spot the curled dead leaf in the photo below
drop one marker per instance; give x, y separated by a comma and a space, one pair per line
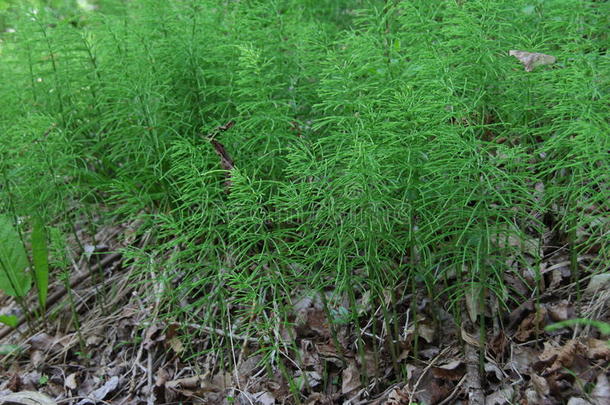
470, 338
453, 370
531, 60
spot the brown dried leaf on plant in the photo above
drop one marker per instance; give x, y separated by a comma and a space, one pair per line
531, 60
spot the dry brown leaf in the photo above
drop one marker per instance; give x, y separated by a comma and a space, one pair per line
263, 398
426, 331
469, 338
492, 368
317, 322
432, 391
503, 396
70, 382
27, 398
597, 349
498, 345
540, 385
30, 381
454, 371
190, 385
601, 393
102, 392
531, 60
522, 359
317, 398
15, 383
153, 335
371, 363
176, 344
561, 357
309, 379
397, 397
532, 325
560, 311
350, 378
45, 342
598, 282
161, 377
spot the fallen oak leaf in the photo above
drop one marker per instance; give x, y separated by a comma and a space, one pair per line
531, 60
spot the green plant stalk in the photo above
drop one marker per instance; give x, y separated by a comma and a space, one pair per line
58, 88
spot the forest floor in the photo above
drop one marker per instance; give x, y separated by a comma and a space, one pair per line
124, 353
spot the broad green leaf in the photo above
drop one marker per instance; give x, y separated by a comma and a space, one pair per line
14, 279
41, 261
9, 320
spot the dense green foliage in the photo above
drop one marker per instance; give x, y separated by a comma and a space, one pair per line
389, 147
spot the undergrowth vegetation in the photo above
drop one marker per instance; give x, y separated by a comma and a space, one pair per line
373, 151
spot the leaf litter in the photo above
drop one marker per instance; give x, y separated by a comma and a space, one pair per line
125, 354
